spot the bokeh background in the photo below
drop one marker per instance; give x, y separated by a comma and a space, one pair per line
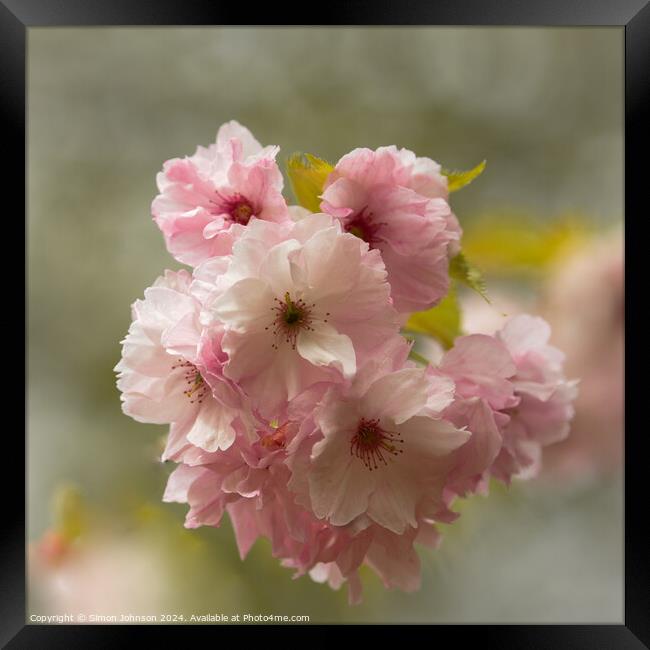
106, 107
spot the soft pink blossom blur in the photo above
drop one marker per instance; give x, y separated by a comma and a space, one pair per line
584, 302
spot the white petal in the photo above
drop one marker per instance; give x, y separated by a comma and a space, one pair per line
183, 337
234, 130
276, 268
310, 224
441, 393
523, 333
426, 436
325, 346
246, 306
212, 429
297, 212
163, 307
332, 262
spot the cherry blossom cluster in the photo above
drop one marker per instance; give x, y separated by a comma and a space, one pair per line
293, 402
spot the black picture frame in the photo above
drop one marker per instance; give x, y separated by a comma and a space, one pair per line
16, 16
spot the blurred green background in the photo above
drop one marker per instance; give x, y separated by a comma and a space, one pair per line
106, 107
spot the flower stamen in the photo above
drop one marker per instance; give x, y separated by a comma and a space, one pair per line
290, 318
373, 445
197, 388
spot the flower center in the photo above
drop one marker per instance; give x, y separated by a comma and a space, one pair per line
277, 439
373, 445
236, 206
196, 387
363, 226
242, 212
289, 318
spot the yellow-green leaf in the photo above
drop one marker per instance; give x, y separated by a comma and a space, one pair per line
456, 179
308, 174
463, 271
516, 243
442, 322
69, 512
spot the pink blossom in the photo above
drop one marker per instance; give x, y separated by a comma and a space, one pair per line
278, 363
397, 204
512, 395
249, 481
544, 413
169, 366
301, 308
263, 484
378, 456
393, 557
481, 367
206, 200
358, 473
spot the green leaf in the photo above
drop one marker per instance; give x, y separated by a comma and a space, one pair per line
442, 322
457, 180
464, 271
416, 356
308, 174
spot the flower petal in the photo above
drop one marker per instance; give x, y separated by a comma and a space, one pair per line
431, 437
339, 486
276, 268
246, 306
324, 346
212, 428
398, 395
392, 504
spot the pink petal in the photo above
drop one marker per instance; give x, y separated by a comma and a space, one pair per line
398, 395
